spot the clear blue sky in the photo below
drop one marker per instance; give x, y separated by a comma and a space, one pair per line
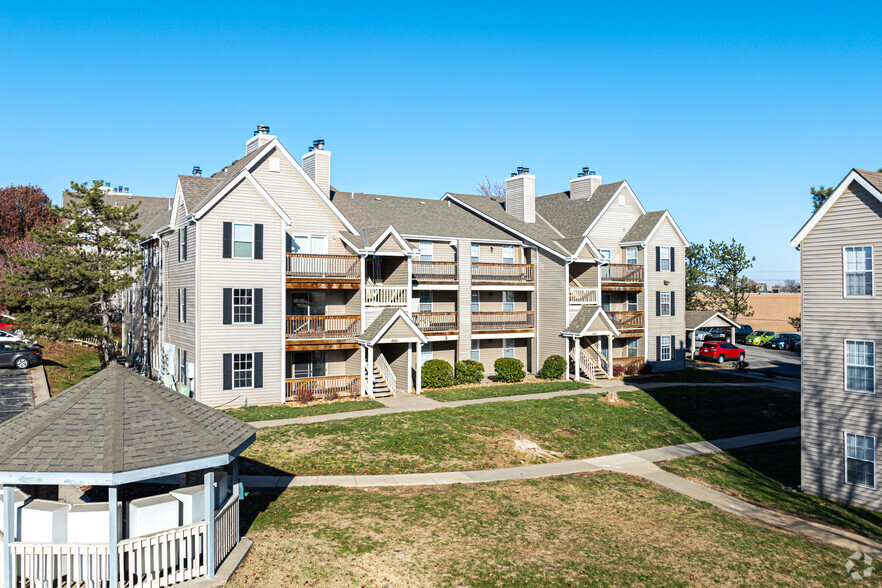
726, 116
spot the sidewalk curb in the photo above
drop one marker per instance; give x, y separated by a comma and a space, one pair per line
40, 384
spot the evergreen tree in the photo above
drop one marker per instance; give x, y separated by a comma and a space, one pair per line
715, 280
67, 291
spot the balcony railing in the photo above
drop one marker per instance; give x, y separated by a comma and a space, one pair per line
327, 387
626, 320
622, 272
627, 360
502, 273
306, 265
435, 322
503, 321
436, 272
584, 296
385, 295
322, 327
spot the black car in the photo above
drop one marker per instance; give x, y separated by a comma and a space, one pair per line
783, 341
20, 355
719, 334
742, 332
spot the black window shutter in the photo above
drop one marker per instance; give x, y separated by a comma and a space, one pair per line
658, 259
673, 348
658, 349
180, 242
258, 370
672, 259
228, 306
258, 241
186, 243
673, 311
657, 303
258, 306
289, 243
228, 371
228, 240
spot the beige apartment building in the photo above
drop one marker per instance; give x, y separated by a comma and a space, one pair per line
268, 283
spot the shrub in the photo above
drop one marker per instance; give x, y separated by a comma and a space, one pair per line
618, 370
553, 368
645, 369
303, 394
469, 371
437, 373
633, 368
509, 369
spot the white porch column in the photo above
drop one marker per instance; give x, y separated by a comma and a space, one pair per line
209, 516
577, 350
567, 357
732, 335
692, 346
113, 537
410, 368
8, 532
370, 371
419, 369
361, 378
609, 362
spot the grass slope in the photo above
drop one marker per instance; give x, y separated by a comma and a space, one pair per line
449, 394
692, 376
599, 529
283, 411
481, 436
759, 473
67, 364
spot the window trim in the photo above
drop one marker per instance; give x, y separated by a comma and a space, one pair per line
845, 435
661, 303
635, 343
872, 271
182, 305
505, 347
661, 347
182, 243
475, 258
628, 257
235, 387
233, 241
606, 254
506, 258
431, 303
662, 251
430, 249
511, 295
475, 354
426, 348
233, 309
846, 365
309, 237
476, 301
636, 307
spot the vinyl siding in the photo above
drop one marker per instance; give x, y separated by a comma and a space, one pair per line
828, 318
551, 308
666, 236
182, 274
464, 298
441, 250
491, 350
612, 226
398, 330
243, 204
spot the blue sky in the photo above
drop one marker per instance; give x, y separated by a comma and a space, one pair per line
724, 115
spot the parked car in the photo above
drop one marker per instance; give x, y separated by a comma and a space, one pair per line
782, 341
7, 323
759, 337
719, 334
797, 347
7, 337
701, 334
720, 351
20, 355
742, 332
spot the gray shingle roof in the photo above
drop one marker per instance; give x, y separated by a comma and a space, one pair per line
150, 208
874, 178
580, 321
225, 176
157, 223
195, 188
643, 226
117, 421
694, 318
573, 217
412, 216
384, 317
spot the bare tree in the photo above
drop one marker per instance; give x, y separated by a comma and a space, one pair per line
491, 188
790, 286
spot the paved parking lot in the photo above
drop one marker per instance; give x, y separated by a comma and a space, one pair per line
16, 392
785, 363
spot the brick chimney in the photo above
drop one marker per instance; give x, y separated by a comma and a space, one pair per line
520, 195
317, 165
261, 137
583, 186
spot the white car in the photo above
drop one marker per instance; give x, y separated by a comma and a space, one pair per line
7, 337
700, 334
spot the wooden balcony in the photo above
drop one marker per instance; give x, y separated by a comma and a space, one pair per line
385, 295
502, 273
304, 328
584, 295
491, 322
313, 271
627, 320
436, 322
623, 277
327, 387
435, 272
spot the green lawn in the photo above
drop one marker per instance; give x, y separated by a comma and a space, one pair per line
448, 394
482, 436
692, 376
599, 529
759, 473
67, 364
283, 411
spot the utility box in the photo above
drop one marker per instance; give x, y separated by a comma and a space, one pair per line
44, 521
192, 499
154, 514
90, 523
19, 498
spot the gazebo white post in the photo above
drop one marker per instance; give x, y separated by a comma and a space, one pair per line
577, 349
567, 357
370, 371
209, 516
8, 532
113, 538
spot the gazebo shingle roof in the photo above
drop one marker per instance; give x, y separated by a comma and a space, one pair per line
117, 421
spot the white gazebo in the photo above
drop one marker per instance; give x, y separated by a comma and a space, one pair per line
113, 429
705, 319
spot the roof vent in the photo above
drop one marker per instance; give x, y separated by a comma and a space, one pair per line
126, 189
261, 137
319, 144
520, 171
262, 130
197, 171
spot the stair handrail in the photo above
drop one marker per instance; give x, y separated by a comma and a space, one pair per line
386, 372
585, 362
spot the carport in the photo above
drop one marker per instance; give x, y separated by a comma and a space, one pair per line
705, 319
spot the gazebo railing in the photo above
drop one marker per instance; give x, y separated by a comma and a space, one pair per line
226, 529
66, 565
165, 558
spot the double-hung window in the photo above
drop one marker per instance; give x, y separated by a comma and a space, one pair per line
664, 259
243, 305
860, 460
426, 250
858, 262
476, 350
314, 244
243, 240
632, 301
243, 370
476, 253
507, 301
631, 255
632, 348
664, 350
425, 301
476, 302
664, 304
508, 254
425, 353
860, 366
182, 244
182, 305
182, 367
508, 348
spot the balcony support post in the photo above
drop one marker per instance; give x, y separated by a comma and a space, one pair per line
419, 369
609, 364
370, 371
567, 355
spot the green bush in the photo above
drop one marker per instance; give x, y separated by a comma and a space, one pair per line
469, 371
509, 369
437, 373
553, 368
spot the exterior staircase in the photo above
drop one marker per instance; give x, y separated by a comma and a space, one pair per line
588, 367
382, 374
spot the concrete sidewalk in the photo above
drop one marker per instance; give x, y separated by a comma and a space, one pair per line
414, 403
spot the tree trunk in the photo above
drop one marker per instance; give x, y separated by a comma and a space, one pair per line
105, 328
612, 396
